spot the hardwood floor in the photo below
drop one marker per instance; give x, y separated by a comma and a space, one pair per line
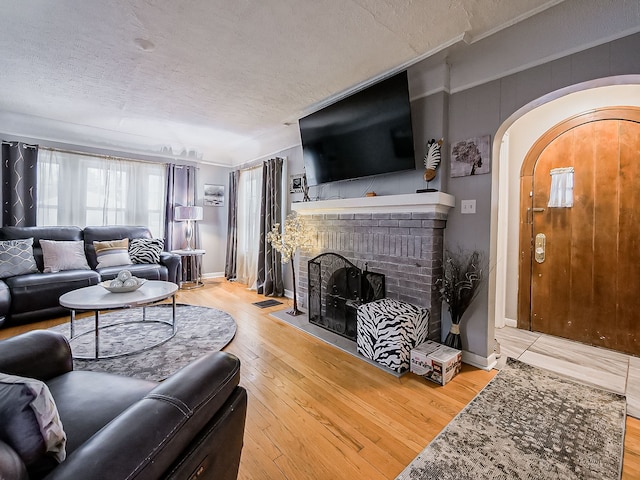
316, 412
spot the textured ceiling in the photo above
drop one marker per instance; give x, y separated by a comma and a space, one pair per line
210, 76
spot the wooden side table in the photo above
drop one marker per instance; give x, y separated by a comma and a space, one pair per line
191, 268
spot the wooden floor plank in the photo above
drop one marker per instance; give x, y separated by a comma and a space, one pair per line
316, 412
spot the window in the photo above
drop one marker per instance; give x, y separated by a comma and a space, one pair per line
561, 195
81, 190
248, 245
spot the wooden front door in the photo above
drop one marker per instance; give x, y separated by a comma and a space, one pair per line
585, 282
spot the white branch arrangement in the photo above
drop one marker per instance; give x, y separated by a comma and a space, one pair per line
295, 234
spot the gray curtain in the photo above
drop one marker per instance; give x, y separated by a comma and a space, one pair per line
232, 227
181, 191
19, 180
269, 265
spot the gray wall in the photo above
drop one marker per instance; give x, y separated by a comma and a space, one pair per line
468, 93
481, 110
476, 111
212, 230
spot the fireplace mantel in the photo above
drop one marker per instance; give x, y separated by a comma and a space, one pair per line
429, 202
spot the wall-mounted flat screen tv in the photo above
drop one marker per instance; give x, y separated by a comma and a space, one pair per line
367, 133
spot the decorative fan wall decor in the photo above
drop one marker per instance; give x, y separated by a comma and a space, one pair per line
432, 159
431, 162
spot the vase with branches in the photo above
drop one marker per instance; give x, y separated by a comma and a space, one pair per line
295, 234
459, 286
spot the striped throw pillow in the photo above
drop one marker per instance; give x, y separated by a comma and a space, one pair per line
146, 250
112, 253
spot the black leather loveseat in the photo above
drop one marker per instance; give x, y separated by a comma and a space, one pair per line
190, 426
34, 296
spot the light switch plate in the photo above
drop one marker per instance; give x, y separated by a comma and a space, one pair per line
467, 206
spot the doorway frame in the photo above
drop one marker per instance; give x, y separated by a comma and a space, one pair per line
502, 184
628, 113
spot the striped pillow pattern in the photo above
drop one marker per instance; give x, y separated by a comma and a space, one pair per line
112, 253
146, 250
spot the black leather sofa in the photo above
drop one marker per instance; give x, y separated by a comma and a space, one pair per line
190, 426
34, 296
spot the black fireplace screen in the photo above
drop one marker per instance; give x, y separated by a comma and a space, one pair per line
336, 288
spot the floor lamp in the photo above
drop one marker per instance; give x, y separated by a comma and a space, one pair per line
189, 214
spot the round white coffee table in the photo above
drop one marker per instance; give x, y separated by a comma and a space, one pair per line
98, 298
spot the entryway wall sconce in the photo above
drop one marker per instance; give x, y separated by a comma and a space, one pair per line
561, 195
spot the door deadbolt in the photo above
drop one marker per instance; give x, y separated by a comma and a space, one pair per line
539, 247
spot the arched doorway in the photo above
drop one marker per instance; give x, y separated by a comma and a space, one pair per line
512, 141
579, 230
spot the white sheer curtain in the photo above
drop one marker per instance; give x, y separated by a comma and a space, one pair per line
78, 189
561, 195
249, 195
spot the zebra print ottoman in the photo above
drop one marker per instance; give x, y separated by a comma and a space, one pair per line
388, 329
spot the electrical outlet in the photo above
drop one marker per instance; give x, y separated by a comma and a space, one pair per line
467, 206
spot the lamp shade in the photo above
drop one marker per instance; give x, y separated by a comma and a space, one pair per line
181, 213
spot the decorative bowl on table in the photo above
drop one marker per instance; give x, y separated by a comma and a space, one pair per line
123, 283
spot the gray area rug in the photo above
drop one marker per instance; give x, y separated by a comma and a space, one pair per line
529, 423
200, 330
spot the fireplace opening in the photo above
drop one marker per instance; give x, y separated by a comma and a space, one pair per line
336, 288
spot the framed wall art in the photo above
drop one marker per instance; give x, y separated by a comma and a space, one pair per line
296, 183
471, 157
213, 195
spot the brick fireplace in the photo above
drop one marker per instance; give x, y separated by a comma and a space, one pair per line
400, 236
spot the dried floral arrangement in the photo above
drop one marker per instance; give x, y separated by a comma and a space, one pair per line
459, 286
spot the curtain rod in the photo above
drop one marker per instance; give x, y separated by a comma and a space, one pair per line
100, 155
4, 142
258, 163
246, 169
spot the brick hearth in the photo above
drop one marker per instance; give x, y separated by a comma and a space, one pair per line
400, 236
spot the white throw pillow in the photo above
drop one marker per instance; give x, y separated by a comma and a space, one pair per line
63, 255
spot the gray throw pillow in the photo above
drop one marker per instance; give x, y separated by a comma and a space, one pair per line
63, 255
29, 421
16, 257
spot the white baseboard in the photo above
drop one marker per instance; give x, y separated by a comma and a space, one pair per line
213, 275
510, 322
484, 363
289, 294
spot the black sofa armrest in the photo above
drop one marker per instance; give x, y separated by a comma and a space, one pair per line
173, 262
37, 354
151, 437
5, 302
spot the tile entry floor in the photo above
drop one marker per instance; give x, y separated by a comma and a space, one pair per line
607, 369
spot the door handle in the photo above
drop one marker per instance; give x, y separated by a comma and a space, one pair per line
540, 247
531, 211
